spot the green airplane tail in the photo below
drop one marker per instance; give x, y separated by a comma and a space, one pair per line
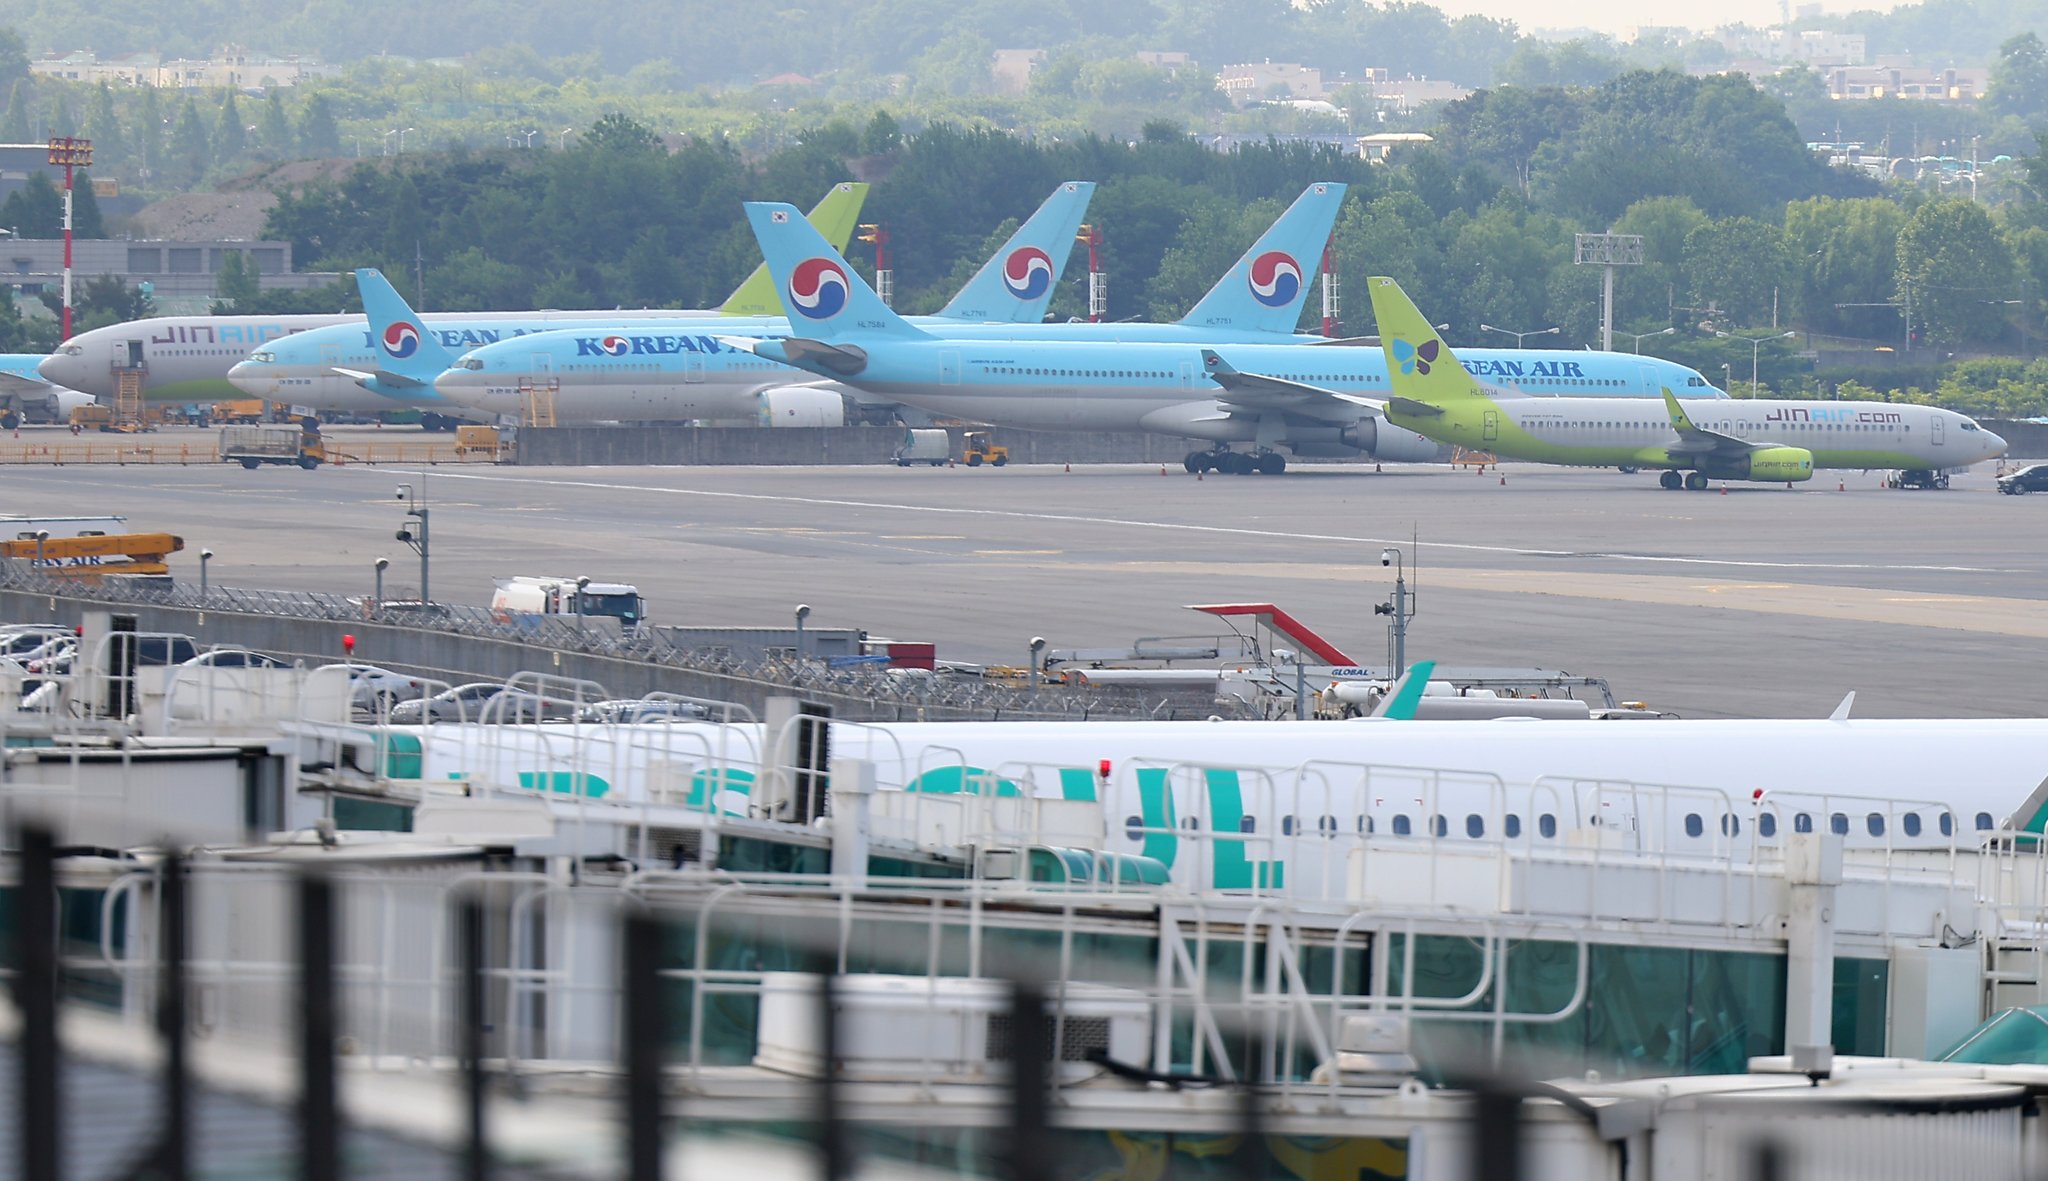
1420, 367
834, 217
1402, 703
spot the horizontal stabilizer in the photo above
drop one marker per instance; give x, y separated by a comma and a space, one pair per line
383, 377
1413, 408
796, 350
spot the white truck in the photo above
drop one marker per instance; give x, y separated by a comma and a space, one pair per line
924, 446
253, 446
602, 604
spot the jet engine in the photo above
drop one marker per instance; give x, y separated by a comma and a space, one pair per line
1769, 464
796, 405
1383, 440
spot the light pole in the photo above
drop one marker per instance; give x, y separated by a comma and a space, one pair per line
803, 612
1521, 336
562, 144
377, 600
1756, 345
582, 580
1399, 610
1037, 650
1727, 376
418, 539
205, 556
529, 137
42, 535
1643, 336
401, 138
387, 140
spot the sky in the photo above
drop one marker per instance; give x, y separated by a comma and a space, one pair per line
1621, 17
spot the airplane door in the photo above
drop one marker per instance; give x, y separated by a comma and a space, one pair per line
1651, 386
330, 354
1187, 375
693, 367
949, 367
1934, 433
1489, 429
541, 365
129, 354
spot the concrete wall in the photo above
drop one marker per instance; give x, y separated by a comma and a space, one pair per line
712, 446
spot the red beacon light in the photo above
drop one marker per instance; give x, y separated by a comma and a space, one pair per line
348, 645
1102, 770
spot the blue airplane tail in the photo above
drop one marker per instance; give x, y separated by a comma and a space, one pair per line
1015, 286
1265, 290
406, 352
824, 297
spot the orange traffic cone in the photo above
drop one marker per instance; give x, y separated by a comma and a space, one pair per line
1070, 467
1724, 489
1375, 467
1841, 485
1503, 481
1162, 469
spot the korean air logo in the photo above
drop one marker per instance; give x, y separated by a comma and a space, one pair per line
1416, 360
818, 288
401, 340
1027, 273
614, 346
1275, 279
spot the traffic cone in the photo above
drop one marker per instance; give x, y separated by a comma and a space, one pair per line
1724, 489
1375, 467
1842, 485
1162, 469
1503, 481
1070, 467
1198, 477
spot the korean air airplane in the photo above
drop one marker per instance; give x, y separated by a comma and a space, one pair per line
1746, 439
1311, 401
396, 359
187, 358
26, 396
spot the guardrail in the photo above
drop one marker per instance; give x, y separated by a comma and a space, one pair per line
123, 450
870, 693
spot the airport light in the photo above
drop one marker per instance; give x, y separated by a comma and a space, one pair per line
401, 138
42, 535
205, 556
1399, 610
803, 612
387, 140
70, 154
417, 538
1643, 336
377, 601
1756, 345
582, 580
530, 133
1521, 336
1037, 653
563, 143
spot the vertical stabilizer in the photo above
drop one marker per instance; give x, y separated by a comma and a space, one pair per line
835, 217
401, 341
1015, 286
1265, 290
824, 298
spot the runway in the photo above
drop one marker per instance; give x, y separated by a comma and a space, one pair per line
1760, 602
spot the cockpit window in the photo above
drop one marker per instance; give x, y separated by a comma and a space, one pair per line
72, 350
470, 363
263, 358
1969, 425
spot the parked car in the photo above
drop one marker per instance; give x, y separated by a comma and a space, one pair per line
19, 642
376, 690
463, 703
633, 710
236, 658
2033, 478
515, 707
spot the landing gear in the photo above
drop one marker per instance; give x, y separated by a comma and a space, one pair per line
1628, 469
1921, 478
1672, 481
1695, 482
1236, 463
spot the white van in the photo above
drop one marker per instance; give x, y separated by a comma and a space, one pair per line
533, 595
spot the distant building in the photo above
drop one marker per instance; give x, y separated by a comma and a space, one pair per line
1253, 81
18, 162
233, 67
1815, 47
1011, 69
1376, 148
1171, 60
1402, 95
181, 274
1859, 83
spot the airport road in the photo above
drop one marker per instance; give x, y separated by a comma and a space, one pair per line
1766, 601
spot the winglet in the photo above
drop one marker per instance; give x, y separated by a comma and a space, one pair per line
1841, 713
835, 217
1402, 703
1679, 421
1016, 284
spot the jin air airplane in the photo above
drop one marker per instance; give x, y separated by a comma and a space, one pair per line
393, 363
1736, 439
1315, 401
187, 358
640, 377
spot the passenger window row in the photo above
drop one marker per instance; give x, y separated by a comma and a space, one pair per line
1839, 823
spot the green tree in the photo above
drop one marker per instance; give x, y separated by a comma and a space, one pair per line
881, 136
616, 132
1647, 297
17, 127
274, 131
957, 64
191, 151
35, 210
147, 134
1951, 260
13, 57
1847, 251
230, 136
86, 221
103, 128
1740, 266
2019, 79
237, 287
318, 133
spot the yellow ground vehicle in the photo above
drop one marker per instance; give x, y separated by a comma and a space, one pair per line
100, 417
977, 449
243, 410
87, 558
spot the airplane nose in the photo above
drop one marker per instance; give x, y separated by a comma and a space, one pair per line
461, 386
254, 378
1995, 444
62, 369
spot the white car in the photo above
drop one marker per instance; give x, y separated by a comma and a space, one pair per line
375, 690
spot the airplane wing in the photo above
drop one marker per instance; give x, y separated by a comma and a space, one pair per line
796, 350
1694, 441
15, 383
1256, 393
382, 377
